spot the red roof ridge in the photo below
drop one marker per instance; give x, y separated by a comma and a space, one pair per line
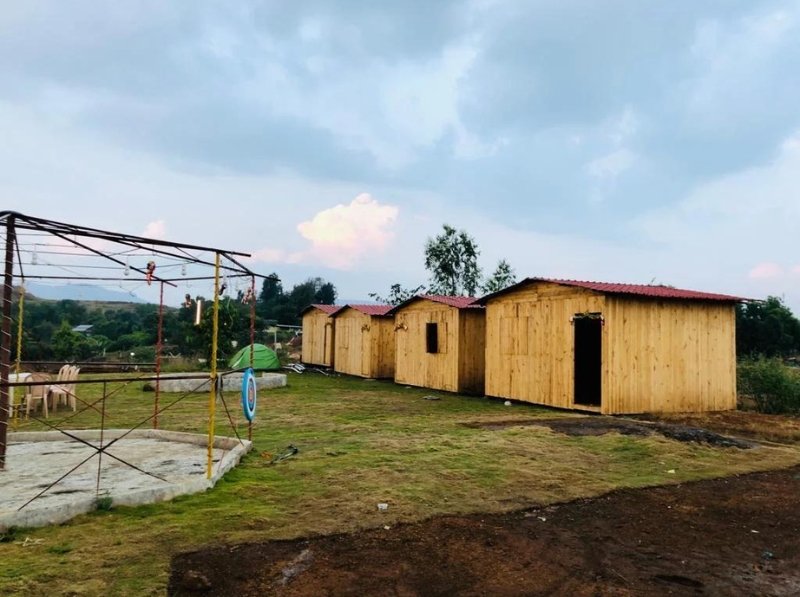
366, 309
328, 309
643, 290
458, 302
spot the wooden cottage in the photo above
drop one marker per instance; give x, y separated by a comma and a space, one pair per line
440, 343
611, 348
318, 335
364, 341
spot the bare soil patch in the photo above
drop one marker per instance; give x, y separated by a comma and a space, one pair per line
731, 536
596, 425
749, 424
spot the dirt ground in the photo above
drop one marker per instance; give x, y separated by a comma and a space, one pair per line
732, 536
601, 425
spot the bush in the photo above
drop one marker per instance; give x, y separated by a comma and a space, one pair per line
774, 387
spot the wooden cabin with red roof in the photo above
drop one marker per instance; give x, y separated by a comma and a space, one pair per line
611, 348
440, 343
364, 341
318, 335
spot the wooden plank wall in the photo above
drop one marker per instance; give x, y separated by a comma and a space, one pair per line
318, 338
382, 347
364, 345
414, 365
529, 342
669, 356
658, 356
472, 351
351, 354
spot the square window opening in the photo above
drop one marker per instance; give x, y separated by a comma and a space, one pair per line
432, 338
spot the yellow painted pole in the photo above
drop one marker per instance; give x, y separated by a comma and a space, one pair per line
212, 391
20, 318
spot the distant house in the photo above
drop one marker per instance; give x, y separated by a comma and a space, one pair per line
611, 348
84, 328
318, 335
440, 343
364, 341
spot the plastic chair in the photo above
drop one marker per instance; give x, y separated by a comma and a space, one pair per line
36, 394
60, 388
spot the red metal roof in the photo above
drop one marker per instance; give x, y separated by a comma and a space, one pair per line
329, 309
372, 310
459, 302
643, 290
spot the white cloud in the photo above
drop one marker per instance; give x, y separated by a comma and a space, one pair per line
343, 234
156, 229
610, 166
724, 226
766, 270
733, 61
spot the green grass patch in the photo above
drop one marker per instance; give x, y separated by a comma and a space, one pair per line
361, 443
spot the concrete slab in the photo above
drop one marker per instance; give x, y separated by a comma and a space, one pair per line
230, 383
36, 459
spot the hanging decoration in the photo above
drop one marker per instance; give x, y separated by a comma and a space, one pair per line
183, 269
249, 394
224, 286
127, 271
249, 296
187, 300
35, 255
198, 314
151, 270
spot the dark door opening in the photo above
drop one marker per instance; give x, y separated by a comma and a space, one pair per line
588, 359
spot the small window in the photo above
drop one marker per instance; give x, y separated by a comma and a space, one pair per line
432, 337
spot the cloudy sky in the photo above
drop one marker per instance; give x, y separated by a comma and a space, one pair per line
617, 141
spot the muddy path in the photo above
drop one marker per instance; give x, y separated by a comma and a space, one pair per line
733, 536
598, 425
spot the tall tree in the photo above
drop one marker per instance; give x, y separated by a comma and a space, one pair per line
397, 294
502, 277
766, 328
326, 295
451, 258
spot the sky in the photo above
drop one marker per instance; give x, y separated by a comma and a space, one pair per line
621, 141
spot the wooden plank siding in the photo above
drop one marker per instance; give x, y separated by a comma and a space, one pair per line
529, 343
657, 355
471, 351
364, 344
669, 356
458, 364
318, 338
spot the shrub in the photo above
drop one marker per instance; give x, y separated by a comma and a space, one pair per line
773, 387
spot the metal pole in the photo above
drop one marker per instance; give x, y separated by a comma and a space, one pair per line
18, 363
158, 354
102, 433
212, 390
5, 339
252, 340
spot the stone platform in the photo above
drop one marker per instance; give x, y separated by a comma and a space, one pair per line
37, 459
230, 383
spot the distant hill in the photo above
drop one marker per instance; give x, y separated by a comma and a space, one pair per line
80, 292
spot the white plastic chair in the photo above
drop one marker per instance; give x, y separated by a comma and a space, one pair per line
36, 394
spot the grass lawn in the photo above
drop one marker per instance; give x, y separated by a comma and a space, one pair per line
361, 442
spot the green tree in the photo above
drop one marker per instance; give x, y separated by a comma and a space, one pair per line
767, 328
326, 295
65, 342
451, 258
502, 277
397, 294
